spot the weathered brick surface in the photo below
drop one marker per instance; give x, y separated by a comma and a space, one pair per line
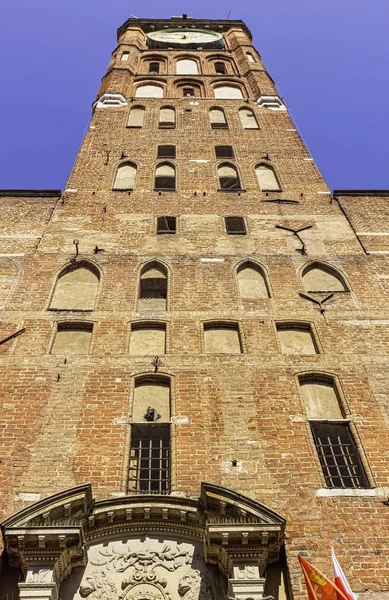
67, 422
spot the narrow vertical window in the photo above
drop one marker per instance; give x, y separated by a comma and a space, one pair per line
217, 118
250, 57
220, 68
267, 179
153, 288
252, 282
125, 56
248, 119
338, 454
167, 117
125, 177
136, 117
165, 177
154, 68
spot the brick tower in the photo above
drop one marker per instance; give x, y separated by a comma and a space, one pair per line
194, 345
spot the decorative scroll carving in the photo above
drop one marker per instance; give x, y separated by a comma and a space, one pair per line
143, 560
98, 586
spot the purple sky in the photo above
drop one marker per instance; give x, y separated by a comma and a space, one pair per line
329, 59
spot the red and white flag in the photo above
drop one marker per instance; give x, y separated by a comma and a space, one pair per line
340, 578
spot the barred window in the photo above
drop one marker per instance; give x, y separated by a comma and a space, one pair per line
149, 468
166, 152
339, 456
235, 225
166, 224
224, 152
165, 177
153, 287
228, 177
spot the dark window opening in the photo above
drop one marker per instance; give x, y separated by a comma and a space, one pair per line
224, 152
188, 92
339, 456
166, 224
235, 225
165, 178
149, 468
228, 177
153, 287
220, 68
153, 68
166, 152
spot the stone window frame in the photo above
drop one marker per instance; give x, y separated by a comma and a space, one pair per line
228, 82
62, 324
148, 374
222, 322
259, 267
139, 323
303, 325
276, 174
71, 266
229, 162
348, 417
132, 106
189, 56
159, 162
329, 268
156, 82
153, 263
117, 166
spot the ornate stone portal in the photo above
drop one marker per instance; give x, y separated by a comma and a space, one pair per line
144, 547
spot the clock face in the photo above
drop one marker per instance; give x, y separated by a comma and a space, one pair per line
184, 38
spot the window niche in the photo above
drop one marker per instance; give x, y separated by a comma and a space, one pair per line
125, 177
149, 91
153, 288
222, 338
296, 338
72, 338
154, 68
186, 66
220, 68
136, 117
252, 282
165, 177
267, 178
337, 451
322, 278
76, 289
167, 117
148, 339
228, 92
217, 118
228, 177
248, 120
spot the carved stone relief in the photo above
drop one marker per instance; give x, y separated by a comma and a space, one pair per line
143, 569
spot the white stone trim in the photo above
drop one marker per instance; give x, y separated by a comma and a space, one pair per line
352, 492
109, 100
271, 102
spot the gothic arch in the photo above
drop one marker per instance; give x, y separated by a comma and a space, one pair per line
255, 288
323, 278
153, 294
271, 180
129, 182
63, 301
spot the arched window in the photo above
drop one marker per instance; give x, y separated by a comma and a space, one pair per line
153, 287
252, 283
148, 339
220, 68
228, 177
267, 179
250, 57
322, 278
334, 441
165, 177
227, 92
186, 66
217, 118
72, 338
76, 289
136, 117
296, 338
149, 465
125, 177
188, 91
149, 91
248, 119
167, 117
154, 68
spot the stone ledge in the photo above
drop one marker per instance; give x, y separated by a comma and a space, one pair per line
352, 492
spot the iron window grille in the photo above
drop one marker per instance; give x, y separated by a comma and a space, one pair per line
235, 225
166, 152
153, 287
149, 468
224, 152
339, 456
166, 225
